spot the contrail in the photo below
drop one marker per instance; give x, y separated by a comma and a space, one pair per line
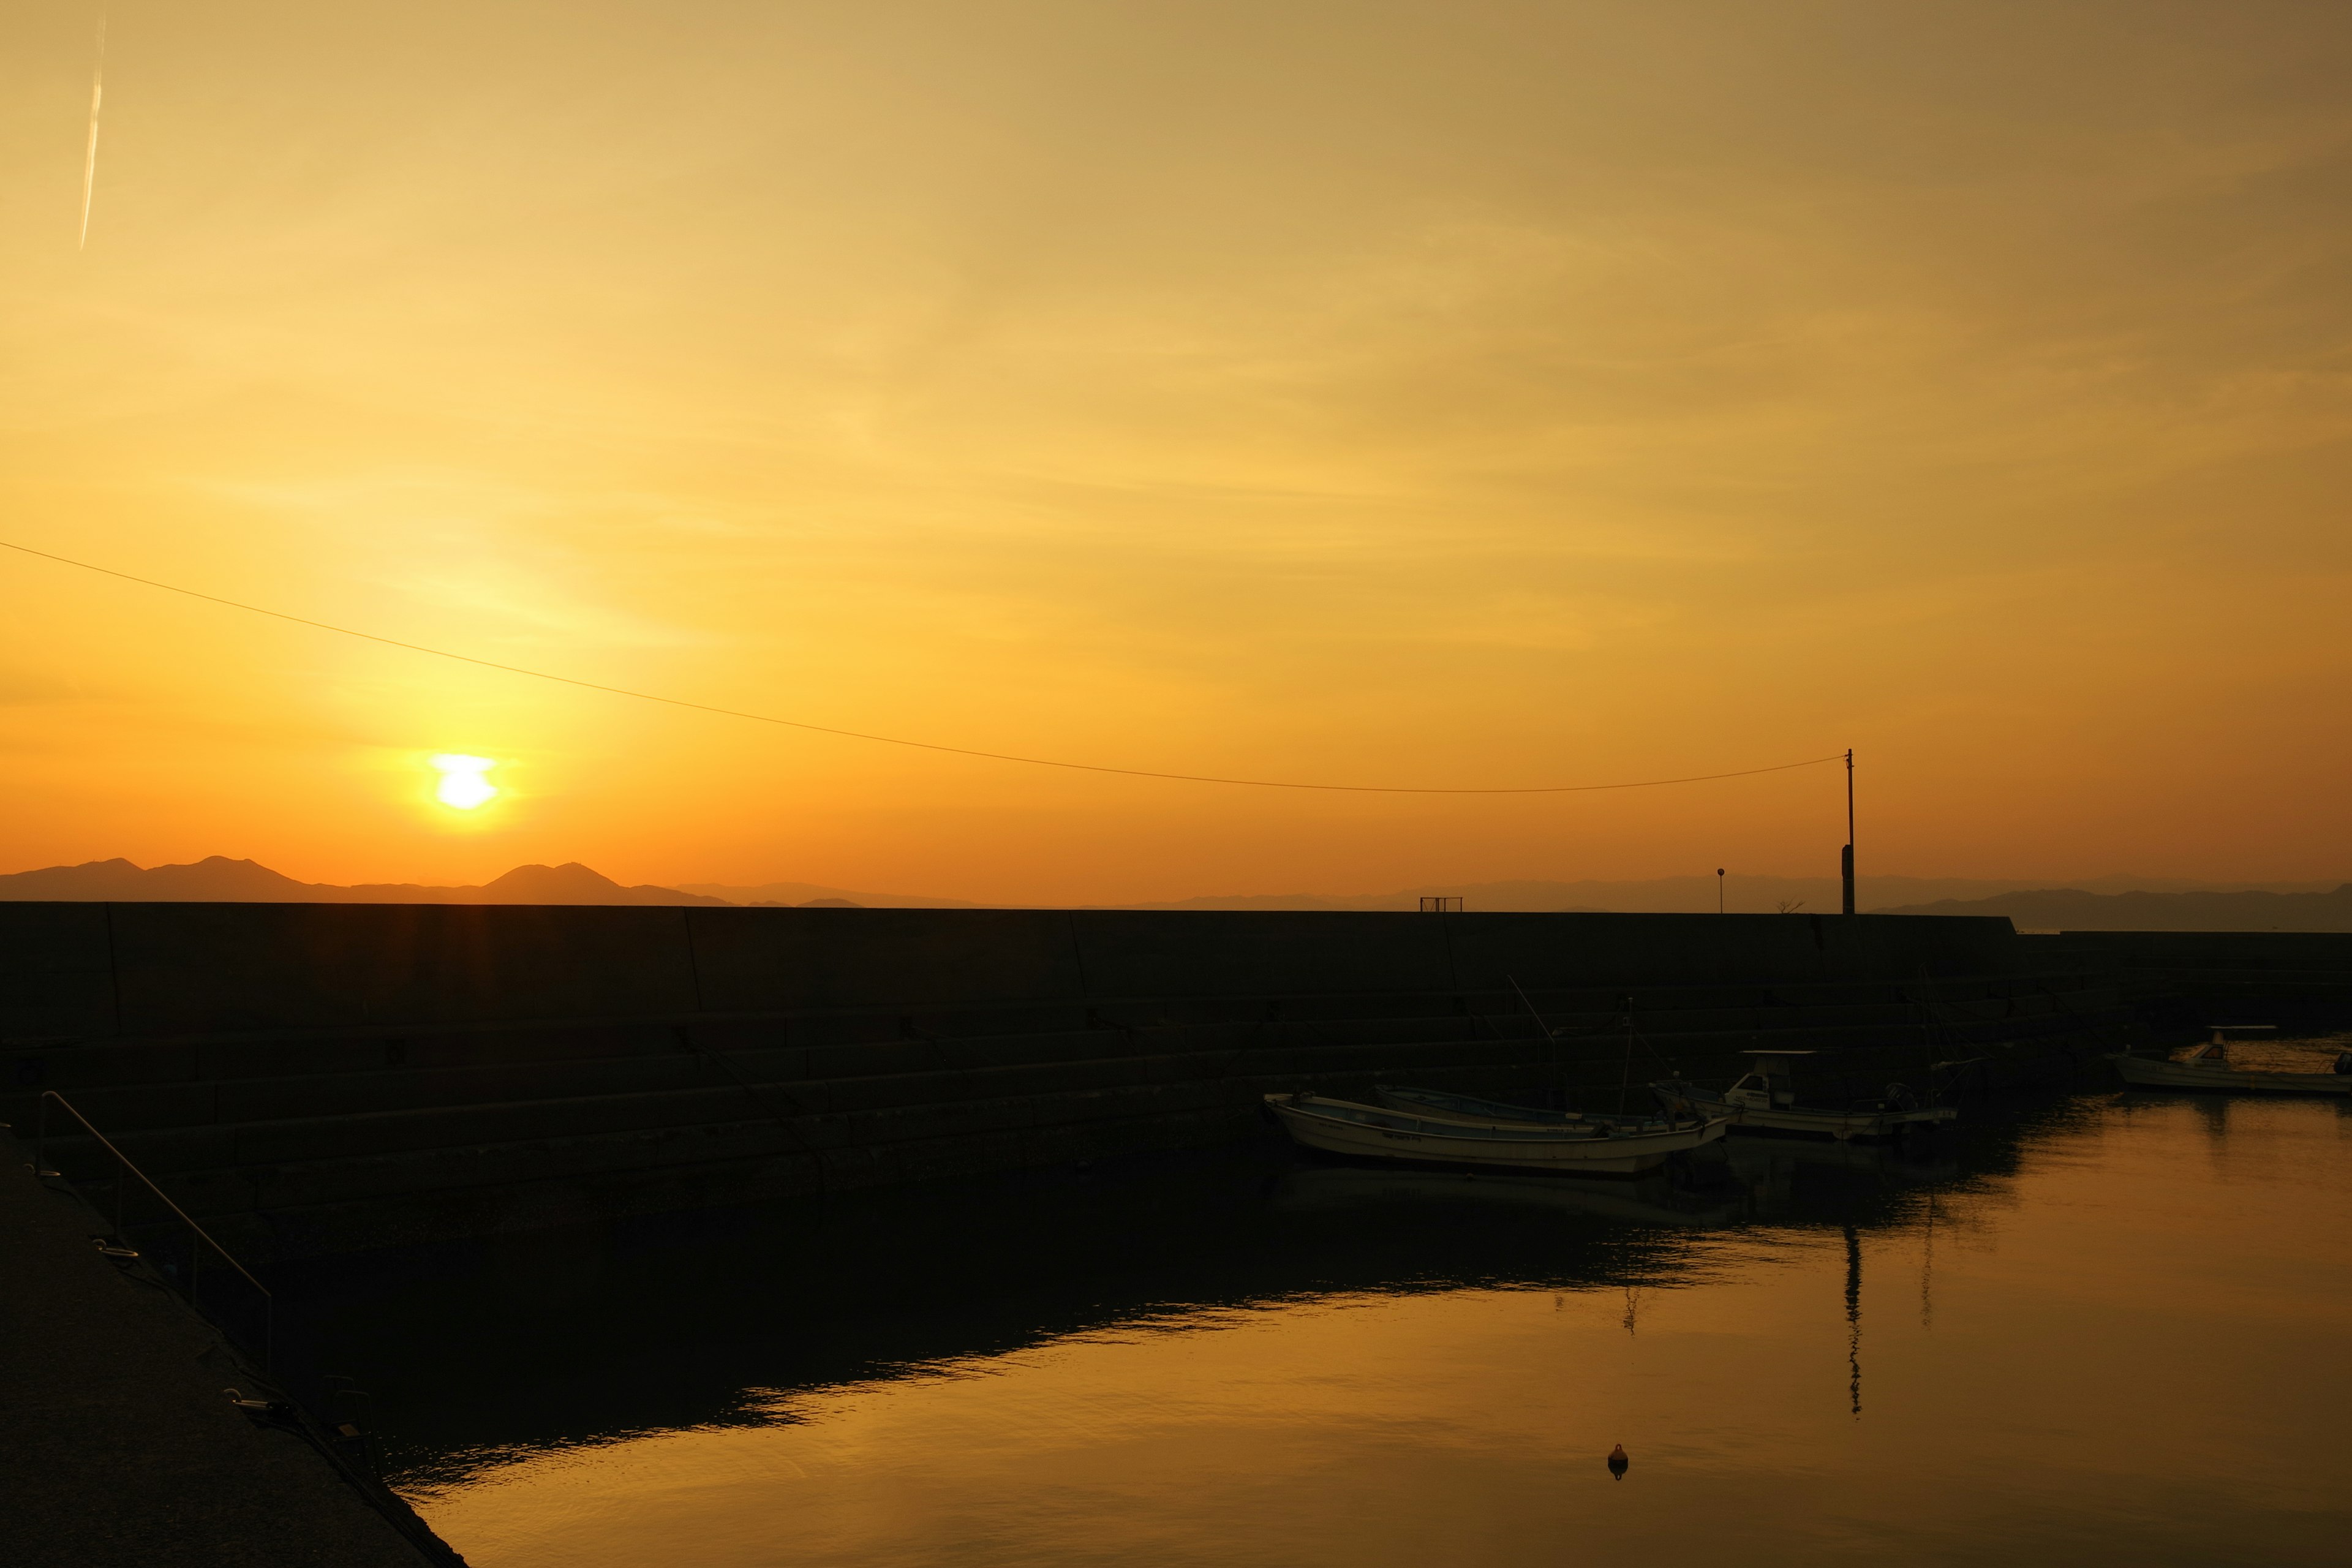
89, 164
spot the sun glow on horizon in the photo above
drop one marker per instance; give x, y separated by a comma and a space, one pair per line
1384, 397
463, 785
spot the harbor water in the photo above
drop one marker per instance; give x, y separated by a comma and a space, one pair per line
2103, 1327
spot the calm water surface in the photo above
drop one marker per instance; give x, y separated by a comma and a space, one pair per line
2112, 1329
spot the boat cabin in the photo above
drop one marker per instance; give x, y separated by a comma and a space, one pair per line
2215, 1052
1770, 1084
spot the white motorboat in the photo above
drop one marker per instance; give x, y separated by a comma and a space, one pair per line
2208, 1067
1377, 1132
1767, 1099
1437, 1102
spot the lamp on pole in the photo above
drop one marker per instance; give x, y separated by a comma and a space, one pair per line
1718, 889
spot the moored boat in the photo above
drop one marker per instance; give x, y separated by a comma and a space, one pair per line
1767, 1099
1379, 1132
2208, 1067
1438, 1102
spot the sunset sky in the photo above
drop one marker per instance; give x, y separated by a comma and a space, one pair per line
1455, 394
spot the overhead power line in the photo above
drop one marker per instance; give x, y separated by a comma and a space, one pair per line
891, 740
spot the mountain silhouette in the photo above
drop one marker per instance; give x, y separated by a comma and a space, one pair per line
1742, 893
219, 879
816, 895
214, 880
2072, 909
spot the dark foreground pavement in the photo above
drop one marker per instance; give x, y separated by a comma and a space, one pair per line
117, 1446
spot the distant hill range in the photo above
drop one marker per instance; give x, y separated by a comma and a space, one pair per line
2072, 908
806, 893
1741, 894
2103, 903
218, 880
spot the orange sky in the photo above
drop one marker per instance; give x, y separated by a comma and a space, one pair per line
1417, 393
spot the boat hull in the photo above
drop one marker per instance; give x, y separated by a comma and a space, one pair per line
2147, 1073
1840, 1125
1373, 1133
1434, 1106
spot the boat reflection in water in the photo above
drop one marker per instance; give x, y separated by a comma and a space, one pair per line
1790, 1178
1729, 1182
1254, 1357
1653, 1200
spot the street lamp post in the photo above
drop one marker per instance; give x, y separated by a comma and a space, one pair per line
1846, 860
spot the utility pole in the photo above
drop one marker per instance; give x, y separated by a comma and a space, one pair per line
1846, 859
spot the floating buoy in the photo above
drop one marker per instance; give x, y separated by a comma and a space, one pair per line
1618, 1462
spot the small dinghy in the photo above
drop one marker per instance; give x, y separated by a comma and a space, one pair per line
2208, 1067
1437, 1102
1378, 1133
1766, 1101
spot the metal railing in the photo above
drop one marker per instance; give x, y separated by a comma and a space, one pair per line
198, 1237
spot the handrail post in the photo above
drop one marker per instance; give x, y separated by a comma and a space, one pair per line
198, 1237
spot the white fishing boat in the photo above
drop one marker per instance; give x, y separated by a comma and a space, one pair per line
1377, 1132
1437, 1102
2209, 1066
1766, 1100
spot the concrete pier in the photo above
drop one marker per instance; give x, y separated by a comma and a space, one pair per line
310, 1078
120, 1449
2180, 981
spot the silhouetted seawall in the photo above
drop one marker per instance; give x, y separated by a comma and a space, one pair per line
2179, 982
315, 1077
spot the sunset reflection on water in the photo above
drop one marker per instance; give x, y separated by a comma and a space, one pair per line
2114, 1333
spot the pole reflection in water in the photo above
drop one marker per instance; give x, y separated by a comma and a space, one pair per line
1244, 1358
1854, 1318
1927, 1262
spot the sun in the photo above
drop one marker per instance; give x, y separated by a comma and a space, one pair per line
462, 784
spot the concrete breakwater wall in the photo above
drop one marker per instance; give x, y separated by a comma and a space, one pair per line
320, 1078
2180, 981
